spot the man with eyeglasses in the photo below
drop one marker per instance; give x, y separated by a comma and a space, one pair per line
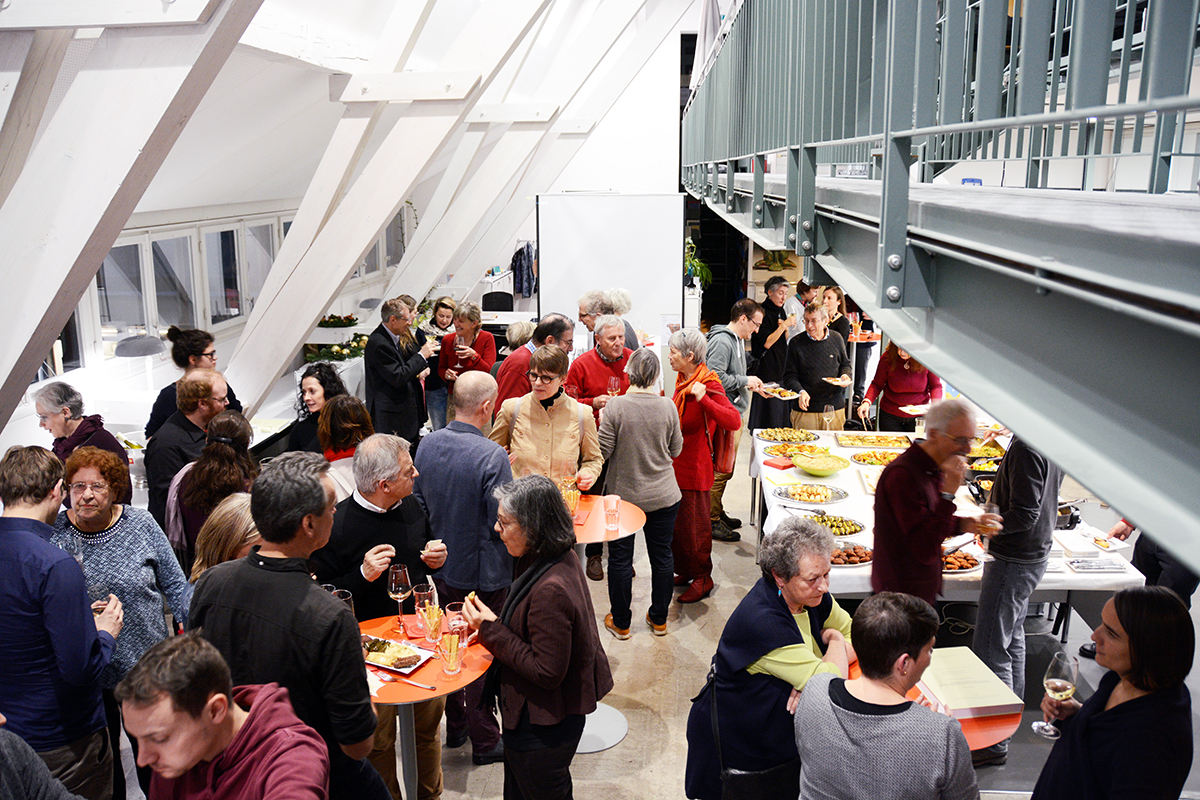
914, 505
200, 396
554, 328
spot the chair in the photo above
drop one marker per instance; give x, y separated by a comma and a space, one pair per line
497, 301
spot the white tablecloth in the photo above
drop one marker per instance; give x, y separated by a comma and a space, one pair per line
853, 581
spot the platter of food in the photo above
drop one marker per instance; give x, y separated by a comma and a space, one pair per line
986, 464
820, 465
839, 381
872, 440
810, 493
784, 435
916, 411
989, 450
392, 656
838, 526
852, 555
779, 392
789, 449
870, 478
958, 562
876, 458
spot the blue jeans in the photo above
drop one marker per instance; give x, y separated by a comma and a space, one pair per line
1000, 625
435, 405
659, 530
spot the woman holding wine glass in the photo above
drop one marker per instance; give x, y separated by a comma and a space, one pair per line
1133, 736
470, 348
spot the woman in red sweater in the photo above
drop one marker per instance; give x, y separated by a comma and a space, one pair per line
468, 348
903, 381
703, 406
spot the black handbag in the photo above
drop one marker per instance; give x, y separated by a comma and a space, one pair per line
781, 782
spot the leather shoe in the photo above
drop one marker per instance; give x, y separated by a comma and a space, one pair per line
620, 633
457, 738
732, 522
724, 533
700, 589
493, 756
659, 630
992, 756
1088, 650
595, 568
681, 580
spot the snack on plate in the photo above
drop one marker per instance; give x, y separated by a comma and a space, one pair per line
396, 655
849, 556
985, 485
780, 392
785, 435
870, 476
989, 450
876, 458
793, 449
872, 440
810, 493
958, 561
838, 526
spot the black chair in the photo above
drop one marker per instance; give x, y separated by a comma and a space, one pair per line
497, 301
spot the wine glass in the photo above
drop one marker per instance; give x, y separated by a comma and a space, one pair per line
460, 342
399, 589
614, 386
827, 416
1060, 680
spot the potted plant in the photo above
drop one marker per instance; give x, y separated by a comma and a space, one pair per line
693, 268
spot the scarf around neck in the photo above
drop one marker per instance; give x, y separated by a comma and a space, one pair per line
702, 374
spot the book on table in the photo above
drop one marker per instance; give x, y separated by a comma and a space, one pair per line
959, 685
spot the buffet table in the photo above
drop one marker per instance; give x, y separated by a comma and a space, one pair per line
1057, 586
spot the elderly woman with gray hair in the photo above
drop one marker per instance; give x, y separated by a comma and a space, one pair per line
703, 406
60, 411
787, 629
639, 438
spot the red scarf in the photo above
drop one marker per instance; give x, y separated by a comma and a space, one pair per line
337, 455
702, 374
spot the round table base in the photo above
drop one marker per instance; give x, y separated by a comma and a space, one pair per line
604, 728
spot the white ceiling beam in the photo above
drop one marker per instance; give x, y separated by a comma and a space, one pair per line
288, 311
397, 87
32, 95
512, 112
35, 14
109, 136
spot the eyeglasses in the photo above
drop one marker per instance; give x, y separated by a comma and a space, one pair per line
44, 417
505, 523
210, 354
97, 488
536, 378
961, 441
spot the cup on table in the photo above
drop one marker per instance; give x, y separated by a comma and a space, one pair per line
612, 512
423, 595
345, 596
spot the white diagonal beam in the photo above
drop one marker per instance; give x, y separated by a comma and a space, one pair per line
283, 320
32, 95
37, 14
109, 136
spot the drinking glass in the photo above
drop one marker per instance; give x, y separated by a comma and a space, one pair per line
346, 597
1061, 678
457, 623
459, 341
612, 512
431, 615
423, 596
400, 588
827, 415
614, 386
988, 529
329, 587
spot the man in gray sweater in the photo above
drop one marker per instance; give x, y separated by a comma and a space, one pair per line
727, 358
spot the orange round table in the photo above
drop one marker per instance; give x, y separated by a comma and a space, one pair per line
475, 662
589, 520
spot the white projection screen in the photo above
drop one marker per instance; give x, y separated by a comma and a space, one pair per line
601, 241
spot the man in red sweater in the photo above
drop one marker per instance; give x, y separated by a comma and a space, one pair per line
205, 738
554, 328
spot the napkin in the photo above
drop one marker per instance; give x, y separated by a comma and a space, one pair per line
779, 462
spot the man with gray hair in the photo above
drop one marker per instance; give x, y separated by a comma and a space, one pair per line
373, 528
513, 379
393, 360
273, 624
460, 469
914, 505
594, 304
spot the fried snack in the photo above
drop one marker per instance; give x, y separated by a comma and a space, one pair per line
838, 526
785, 435
849, 556
810, 493
986, 485
780, 392
872, 440
470, 597
958, 561
396, 655
876, 458
793, 449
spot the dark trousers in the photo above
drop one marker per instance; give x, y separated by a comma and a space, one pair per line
543, 774
890, 422
462, 707
355, 780
1162, 568
659, 531
112, 712
862, 359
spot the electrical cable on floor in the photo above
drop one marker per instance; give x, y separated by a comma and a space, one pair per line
954, 625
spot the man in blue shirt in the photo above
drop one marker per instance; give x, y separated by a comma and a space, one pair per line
459, 470
55, 647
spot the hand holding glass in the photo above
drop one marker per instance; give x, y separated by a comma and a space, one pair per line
1061, 677
399, 589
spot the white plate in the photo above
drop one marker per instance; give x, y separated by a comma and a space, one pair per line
422, 652
837, 496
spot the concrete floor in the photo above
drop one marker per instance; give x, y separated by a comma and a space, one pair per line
656, 677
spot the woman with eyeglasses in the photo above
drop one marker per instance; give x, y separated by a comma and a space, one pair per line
123, 552
787, 629
60, 411
546, 432
190, 349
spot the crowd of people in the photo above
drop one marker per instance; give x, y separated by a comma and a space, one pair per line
453, 466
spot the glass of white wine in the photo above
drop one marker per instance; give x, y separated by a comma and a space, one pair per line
827, 416
1061, 678
614, 386
399, 589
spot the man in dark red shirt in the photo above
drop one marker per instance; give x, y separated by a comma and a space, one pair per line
914, 505
554, 328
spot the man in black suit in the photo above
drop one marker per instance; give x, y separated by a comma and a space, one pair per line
394, 361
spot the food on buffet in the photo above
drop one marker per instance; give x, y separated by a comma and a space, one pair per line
810, 493
789, 450
838, 526
989, 450
986, 485
387, 653
821, 465
780, 392
849, 556
876, 458
958, 561
785, 435
870, 477
986, 465
872, 440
